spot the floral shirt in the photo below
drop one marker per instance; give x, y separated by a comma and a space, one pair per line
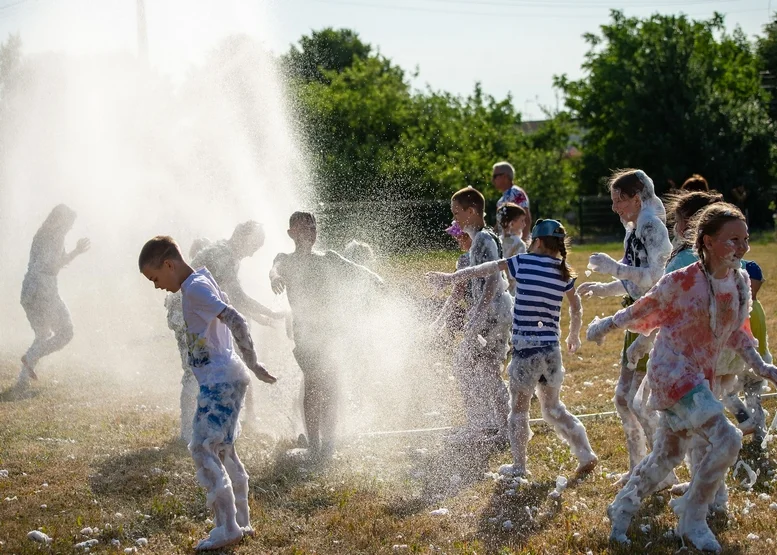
687, 349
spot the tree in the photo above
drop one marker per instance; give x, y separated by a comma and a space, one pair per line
767, 54
324, 51
674, 97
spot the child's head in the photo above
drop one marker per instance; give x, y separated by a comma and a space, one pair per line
721, 235
463, 239
197, 246
247, 238
511, 218
359, 252
468, 207
161, 262
626, 193
550, 236
302, 229
61, 218
695, 183
502, 175
682, 206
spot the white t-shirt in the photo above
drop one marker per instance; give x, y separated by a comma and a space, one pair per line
212, 356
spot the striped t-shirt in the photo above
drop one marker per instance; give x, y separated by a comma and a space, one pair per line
538, 297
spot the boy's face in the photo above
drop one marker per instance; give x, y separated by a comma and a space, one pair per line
165, 277
464, 217
303, 233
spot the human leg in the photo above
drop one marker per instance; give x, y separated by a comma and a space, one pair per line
569, 428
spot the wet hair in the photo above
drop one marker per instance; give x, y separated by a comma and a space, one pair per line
558, 245
685, 204
359, 252
505, 168
469, 197
300, 217
157, 250
626, 182
695, 183
197, 246
246, 230
509, 212
709, 221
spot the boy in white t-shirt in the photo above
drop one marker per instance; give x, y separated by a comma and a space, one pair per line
223, 379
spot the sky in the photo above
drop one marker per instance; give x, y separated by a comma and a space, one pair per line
509, 46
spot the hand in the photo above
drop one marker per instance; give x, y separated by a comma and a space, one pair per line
262, 374
83, 245
589, 288
598, 328
438, 280
278, 315
637, 350
603, 263
278, 285
573, 343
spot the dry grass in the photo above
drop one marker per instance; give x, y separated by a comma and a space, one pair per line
99, 450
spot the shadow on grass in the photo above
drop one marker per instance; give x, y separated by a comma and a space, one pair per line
13, 393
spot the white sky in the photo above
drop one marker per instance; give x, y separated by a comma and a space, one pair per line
510, 46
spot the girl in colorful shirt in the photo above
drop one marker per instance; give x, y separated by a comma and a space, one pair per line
697, 310
646, 249
544, 278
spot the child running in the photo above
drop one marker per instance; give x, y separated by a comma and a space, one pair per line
211, 326
697, 311
544, 279
45, 309
647, 248
317, 285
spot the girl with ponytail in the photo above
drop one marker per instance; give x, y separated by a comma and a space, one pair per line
544, 278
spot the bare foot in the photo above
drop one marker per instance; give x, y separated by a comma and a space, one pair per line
220, 537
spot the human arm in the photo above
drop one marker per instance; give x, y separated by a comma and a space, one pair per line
251, 307
655, 238
743, 343
457, 294
602, 289
639, 348
277, 282
81, 247
575, 320
239, 328
440, 279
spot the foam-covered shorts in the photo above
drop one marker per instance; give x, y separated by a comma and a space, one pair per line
536, 364
693, 410
218, 409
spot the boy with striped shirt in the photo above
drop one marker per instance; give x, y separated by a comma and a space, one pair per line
544, 278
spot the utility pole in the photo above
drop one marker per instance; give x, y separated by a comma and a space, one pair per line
142, 33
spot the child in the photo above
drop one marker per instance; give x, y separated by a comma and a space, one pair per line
359, 252
484, 347
315, 283
46, 312
176, 323
697, 310
452, 315
512, 221
647, 248
544, 279
222, 259
211, 326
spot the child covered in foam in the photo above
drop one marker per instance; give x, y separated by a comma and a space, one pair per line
697, 310
544, 278
646, 249
213, 327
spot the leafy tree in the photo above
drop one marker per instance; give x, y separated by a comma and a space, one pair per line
325, 51
767, 54
673, 96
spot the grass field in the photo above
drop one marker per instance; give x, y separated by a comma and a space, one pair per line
89, 448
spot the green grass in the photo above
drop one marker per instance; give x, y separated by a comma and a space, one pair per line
104, 443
